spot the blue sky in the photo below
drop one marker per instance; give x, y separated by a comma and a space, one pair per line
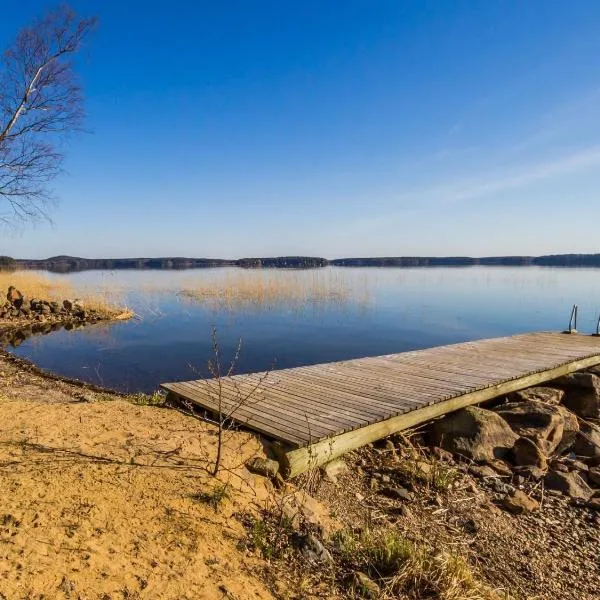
355, 128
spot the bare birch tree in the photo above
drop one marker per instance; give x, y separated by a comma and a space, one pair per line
40, 102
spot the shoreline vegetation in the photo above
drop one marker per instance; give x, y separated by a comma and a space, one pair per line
268, 289
31, 303
66, 264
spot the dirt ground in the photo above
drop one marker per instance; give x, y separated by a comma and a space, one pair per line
549, 554
106, 499
102, 498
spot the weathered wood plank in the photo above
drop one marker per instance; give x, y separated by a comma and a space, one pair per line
297, 461
322, 411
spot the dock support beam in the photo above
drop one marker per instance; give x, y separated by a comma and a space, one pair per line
297, 461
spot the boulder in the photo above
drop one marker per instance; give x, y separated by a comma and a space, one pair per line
594, 476
501, 467
442, 455
314, 550
587, 442
568, 483
500, 487
332, 470
396, 492
540, 393
582, 394
540, 422
301, 509
263, 466
483, 471
475, 433
530, 473
364, 586
581, 379
576, 465
594, 504
526, 453
559, 465
570, 430
519, 502
15, 297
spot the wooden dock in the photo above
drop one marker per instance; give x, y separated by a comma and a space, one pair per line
319, 412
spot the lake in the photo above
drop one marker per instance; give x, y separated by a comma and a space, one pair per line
291, 318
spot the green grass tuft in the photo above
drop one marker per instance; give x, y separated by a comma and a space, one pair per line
406, 569
215, 497
155, 399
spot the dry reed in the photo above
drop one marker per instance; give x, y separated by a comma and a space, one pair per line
32, 284
268, 289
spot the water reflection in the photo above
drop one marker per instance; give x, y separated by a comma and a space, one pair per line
295, 318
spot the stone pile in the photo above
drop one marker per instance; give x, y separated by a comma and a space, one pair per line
542, 440
18, 307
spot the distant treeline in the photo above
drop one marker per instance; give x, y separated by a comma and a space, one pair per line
65, 264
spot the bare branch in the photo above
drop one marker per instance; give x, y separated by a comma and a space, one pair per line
40, 102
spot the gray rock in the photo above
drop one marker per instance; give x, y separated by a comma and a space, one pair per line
442, 455
568, 483
519, 502
539, 393
582, 394
475, 433
15, 297
594, 476
332, 470
570, 430
587, 442
594, 504
364, 586
530, 473
526, 453
66, 586
502, 488
314, 551
482, 471
396, 492
575, 465
263, 466
540, 422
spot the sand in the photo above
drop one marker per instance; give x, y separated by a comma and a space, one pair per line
99, 501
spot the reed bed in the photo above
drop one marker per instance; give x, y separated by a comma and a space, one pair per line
35, 285
269, 289
107, 302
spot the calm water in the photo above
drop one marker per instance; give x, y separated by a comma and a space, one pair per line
372, 311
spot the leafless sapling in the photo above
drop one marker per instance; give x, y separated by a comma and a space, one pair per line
229, 397
41, 102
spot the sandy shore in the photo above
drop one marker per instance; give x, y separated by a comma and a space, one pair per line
101, 497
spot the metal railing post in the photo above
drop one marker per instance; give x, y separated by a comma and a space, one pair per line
573, 320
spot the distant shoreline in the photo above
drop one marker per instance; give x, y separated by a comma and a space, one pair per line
66, 264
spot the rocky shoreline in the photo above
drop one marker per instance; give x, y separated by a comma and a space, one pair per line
22, 317
544, 440
512, 487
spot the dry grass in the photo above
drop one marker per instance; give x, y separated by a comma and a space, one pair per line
106, 302
34, 285
270, 288
408, 570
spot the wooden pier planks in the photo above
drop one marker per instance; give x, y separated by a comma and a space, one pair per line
321, 411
